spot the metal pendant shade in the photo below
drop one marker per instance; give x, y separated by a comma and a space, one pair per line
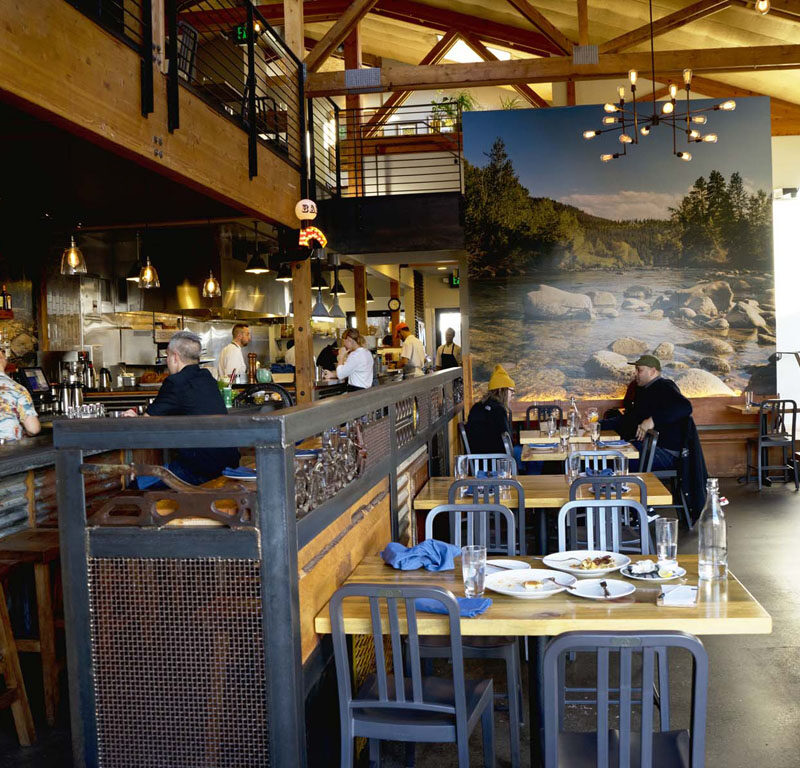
148, 276
211, 287
257, 265
370, 298
284, 273
72, 261
336, 311
320, 311
337, 287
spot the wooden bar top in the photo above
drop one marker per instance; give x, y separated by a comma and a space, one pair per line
726, 608
541, 491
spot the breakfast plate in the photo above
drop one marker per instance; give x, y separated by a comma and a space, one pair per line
592, 589
576, 562
529, 584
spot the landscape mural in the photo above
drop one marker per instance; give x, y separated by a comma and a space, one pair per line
578, 266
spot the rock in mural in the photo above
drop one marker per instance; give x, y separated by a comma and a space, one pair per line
638, 292
714, 364
664, 351
710, 346
602, 298
695, 382
637, 305
545, 302
609, 365
628, 346
745, 316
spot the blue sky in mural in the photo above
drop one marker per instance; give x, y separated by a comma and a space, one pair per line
553, 160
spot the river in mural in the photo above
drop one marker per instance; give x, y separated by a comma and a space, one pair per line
576, 266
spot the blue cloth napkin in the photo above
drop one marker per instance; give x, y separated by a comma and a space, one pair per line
431, 554
239, 472
281, 368
484, 473
469, 607
607, 472
545, 445
611, 443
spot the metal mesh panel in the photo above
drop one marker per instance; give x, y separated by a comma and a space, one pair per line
178, 663
377, 441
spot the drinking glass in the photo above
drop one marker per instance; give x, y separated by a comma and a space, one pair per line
552, 427
666, 539
573, 466
462, 472
748, 399
620, 465
505, 471
473, 569
592, 415
595, 431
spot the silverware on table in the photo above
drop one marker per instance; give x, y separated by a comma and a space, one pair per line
604, 585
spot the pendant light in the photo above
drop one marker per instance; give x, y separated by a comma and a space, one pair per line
370, 298
256, 265
284, 273
148, 276
320, 311
133, 272
318, 282
336, 312
72, 261
211, 287
337, 286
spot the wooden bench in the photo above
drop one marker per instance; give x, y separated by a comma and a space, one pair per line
14, 695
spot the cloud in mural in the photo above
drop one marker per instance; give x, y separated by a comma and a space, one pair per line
626, 204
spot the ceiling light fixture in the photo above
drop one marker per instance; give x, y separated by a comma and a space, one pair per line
337, 313
630, 124
148, 276
72, 261
337, 286
320, 311
370, 298
284, 273
762, 7
256, 265
136, 267
211, 287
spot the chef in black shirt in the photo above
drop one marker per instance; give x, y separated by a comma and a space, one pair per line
189, 390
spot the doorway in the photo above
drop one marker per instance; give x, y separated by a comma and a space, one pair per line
448, 318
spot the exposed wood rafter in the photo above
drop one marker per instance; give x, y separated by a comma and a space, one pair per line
523, 90
550, 31
583, 22
335, 36
560, 68
698, 10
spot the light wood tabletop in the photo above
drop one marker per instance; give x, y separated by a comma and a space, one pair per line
533, 436
726, 608
541, 491
530, 452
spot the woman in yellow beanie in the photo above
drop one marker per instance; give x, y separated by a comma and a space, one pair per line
490, 417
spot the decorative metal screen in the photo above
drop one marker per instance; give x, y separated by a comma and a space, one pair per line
178, 662
377, 440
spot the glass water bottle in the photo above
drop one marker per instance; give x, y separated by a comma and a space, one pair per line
712, 547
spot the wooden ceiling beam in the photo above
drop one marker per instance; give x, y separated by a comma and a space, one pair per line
583, 22
336, 35
549, 30
665, 24
398, 98
669, 64
367, 59
524, 90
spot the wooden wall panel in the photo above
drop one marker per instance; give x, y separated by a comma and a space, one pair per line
330, 558
60, 65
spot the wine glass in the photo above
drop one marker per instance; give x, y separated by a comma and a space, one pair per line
594, 428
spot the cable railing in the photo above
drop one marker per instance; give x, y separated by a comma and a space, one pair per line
229, 56
123, 18
386, 150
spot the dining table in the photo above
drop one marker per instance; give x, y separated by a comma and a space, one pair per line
725, 607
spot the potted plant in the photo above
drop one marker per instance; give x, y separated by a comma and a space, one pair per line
445, 111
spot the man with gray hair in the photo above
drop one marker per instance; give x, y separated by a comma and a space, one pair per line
190, 390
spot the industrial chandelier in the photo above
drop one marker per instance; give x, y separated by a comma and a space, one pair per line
631, 125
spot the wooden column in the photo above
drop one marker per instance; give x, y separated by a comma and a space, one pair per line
360, 292
303, 340
293, 27
394, 293
583, 22
353, 121
570, 93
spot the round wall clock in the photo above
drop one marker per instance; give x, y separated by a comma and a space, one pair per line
394, 304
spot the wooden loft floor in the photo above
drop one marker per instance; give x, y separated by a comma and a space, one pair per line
61, 66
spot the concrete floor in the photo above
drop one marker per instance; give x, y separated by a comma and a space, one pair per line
754, 697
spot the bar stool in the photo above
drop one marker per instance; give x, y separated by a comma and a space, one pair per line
14, 695
39, 547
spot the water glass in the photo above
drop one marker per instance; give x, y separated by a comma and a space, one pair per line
505, 471
462, 472
573, 465
552, 427
666, 539
748, 399
473, 569
595, 431
620, 465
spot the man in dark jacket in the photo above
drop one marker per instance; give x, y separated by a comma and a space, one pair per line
190, 390
657, 404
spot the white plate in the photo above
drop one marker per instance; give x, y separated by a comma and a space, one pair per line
510, 582
566, 561
240, 477
591, 588
677, 574
497, 565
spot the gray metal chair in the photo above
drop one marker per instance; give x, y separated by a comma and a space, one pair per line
774, 432
648, 451
596, 460
543, 413
607, 746
508, 444
462, 431
479, 521
485, 462
603, 525
614, 488
490, 490
426, 709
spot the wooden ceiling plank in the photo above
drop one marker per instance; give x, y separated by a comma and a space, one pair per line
336, 35
401, 77
583, 22
522, 89
667, 23
397, 99
367, 59
549, 30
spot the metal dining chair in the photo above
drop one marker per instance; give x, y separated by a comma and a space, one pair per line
462, 431
603, 525
405, 705
619, 738
647, 453
485, 462
492, 490
596, 460
474, 524
774, 431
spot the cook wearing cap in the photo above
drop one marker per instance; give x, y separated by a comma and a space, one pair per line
412, 353
657, 404
490, 417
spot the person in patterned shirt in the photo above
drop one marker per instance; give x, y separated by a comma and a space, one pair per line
16, 407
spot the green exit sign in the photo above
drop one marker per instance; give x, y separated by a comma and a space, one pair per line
240, 33
455, 280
